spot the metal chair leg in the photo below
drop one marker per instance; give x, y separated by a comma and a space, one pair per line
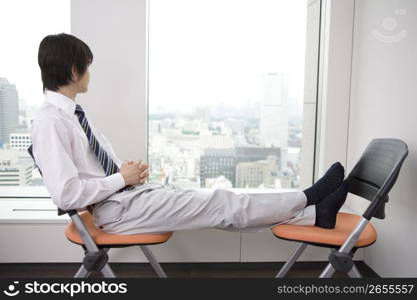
153, 261
107, 271
290, 262
327, 272
347, 247
82, 272
354, 272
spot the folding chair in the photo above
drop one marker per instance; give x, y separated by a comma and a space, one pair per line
372, 178
96, 243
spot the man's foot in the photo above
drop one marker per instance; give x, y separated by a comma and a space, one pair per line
326, 210
327, 184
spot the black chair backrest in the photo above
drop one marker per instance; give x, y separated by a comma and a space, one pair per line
30, 150
375, 173
31, 154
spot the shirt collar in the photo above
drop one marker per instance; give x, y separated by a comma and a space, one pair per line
66, 104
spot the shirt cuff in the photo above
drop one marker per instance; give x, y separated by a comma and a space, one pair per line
115, 181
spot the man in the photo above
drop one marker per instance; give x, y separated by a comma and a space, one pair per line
81, 170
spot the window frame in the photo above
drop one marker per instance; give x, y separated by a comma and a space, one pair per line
332, 112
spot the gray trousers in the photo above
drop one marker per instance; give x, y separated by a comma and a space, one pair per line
157, 208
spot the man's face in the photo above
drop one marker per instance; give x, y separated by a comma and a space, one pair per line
81, 82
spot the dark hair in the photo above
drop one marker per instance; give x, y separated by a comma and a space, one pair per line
57, 54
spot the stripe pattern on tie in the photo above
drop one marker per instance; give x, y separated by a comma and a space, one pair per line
105, 160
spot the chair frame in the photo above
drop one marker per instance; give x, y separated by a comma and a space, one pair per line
341, 257
96, 256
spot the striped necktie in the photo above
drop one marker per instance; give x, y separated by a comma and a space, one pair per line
105, 160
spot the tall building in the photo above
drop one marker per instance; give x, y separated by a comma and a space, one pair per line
216, 162
256, 174
9, 110
274, 113
20, 140
255, 153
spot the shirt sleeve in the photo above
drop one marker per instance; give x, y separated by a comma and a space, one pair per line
53, 155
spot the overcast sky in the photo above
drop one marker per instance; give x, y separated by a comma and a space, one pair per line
201, 51
214, 51
23, 24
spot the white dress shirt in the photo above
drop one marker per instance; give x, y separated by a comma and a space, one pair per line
70, 170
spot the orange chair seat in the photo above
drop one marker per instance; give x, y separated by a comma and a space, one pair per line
345, 223
103, 238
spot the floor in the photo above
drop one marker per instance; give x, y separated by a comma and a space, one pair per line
179, 270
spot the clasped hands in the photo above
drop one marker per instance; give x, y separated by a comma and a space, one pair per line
134, 172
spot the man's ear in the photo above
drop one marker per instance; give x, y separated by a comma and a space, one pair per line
74, 74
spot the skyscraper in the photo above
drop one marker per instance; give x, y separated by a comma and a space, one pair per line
9, 110
274, 113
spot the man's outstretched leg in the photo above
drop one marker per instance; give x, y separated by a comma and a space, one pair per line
252, 212
168, 209
321, 203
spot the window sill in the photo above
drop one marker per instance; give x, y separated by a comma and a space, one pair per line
24, 192
29, 211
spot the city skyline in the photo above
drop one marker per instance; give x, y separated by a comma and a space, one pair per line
235, 87
186, 140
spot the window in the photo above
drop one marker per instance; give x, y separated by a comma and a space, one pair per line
230, 82
23, 25
227, 83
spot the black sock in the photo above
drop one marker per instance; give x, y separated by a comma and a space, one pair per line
327, 184
326, 210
